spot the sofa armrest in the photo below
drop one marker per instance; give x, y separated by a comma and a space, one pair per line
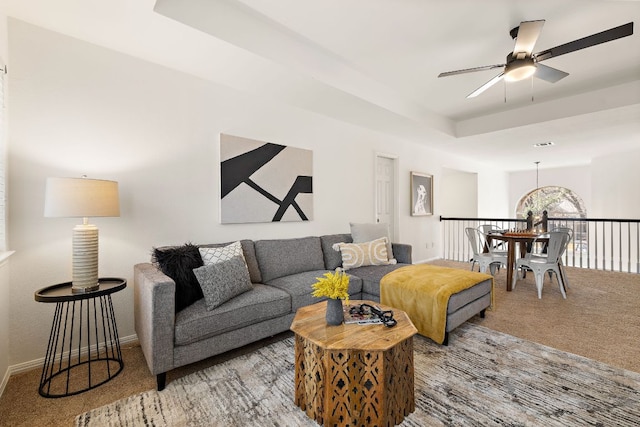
154, 312
402, 252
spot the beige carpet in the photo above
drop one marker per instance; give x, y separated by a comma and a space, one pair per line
487, 379
599, 320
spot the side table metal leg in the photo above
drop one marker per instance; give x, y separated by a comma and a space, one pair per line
75, 347
83, 351
49, 358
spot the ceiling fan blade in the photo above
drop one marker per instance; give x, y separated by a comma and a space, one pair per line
470, 70
528, 33
592, 40
486, 86
549, 74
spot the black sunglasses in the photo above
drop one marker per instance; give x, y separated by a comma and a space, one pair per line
385, 316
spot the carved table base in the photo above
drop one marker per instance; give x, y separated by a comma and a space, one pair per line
358, 375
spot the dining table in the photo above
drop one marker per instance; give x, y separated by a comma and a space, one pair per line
513, 239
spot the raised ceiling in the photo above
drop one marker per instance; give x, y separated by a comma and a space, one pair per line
374, 63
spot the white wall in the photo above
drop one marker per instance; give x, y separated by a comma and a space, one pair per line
81, 109
476, 193
459, 196
5, 302
493, 187
615, 186
608, 186
577, 178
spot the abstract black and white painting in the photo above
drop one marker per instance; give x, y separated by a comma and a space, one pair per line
264, 182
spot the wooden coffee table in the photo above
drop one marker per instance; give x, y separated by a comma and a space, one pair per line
353, 374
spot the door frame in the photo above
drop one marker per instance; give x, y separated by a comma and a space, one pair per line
395, 175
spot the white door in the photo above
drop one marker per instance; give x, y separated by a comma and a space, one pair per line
386, 199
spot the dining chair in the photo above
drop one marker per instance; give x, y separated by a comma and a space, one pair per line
541, 262
484, 259
489, 228
568, 230
542, 248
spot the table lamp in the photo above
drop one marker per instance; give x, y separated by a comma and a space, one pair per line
83, 198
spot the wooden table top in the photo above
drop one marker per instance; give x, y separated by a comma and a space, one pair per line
514, 236
310, 323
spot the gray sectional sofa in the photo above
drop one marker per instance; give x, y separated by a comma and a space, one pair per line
281, 271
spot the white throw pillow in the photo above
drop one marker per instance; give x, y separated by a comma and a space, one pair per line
224, 253
362, 233
362, 254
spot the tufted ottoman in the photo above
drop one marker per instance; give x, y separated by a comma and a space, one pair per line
437, 299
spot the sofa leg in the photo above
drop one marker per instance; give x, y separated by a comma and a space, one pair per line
161, 380
482, 313
446, 339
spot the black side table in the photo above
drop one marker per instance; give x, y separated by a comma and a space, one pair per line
84, 347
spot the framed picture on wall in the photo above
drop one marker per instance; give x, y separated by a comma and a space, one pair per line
421, 194
264, 182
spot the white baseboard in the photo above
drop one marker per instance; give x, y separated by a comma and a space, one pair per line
424, 261
5, 381
37, 363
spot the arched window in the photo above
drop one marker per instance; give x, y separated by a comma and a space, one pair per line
559, 202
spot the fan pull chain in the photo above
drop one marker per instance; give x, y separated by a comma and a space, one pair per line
505, 90
531, 88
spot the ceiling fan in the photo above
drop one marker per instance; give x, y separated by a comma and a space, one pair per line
523, 63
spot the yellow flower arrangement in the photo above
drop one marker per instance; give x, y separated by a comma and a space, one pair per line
332, 285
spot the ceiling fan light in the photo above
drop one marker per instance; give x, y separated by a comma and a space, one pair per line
519, 69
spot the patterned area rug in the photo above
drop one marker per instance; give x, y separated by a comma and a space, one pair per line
483, 378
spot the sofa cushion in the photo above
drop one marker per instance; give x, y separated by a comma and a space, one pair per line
282, 257
362, 254
249, 252
299, 287
259, 304
178, 263
371, 276
221, 281
367, 232
332, 258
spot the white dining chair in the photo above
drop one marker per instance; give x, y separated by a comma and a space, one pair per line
568, 230
484, 259
489, 228
543, 261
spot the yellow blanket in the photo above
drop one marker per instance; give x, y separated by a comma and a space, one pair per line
423, 291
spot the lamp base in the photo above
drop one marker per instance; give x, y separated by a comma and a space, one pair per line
85, 258
84, 289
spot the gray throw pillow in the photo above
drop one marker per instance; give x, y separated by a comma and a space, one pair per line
222, 281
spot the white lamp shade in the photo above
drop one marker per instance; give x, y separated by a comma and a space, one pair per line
81, 197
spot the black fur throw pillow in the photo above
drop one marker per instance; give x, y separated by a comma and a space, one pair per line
178, 263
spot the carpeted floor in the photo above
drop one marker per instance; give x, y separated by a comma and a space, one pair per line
486, 379
598, 320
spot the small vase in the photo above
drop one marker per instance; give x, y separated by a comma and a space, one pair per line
335, 315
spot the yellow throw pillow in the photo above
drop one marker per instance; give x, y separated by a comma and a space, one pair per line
362, 254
